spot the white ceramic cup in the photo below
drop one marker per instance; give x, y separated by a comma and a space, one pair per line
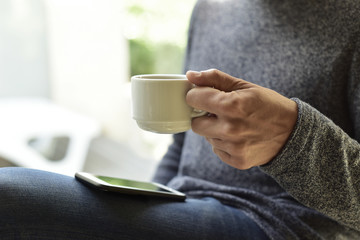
158, 103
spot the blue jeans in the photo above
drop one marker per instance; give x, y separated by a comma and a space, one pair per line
41, 205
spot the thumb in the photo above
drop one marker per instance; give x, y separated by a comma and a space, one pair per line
217, 79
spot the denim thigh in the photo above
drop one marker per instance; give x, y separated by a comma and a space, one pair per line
42, 205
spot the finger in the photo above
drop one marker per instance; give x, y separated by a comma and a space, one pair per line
217, 79
224, 156
231, 160
216, 143
232, 148
206, 98
217, 127
206, 126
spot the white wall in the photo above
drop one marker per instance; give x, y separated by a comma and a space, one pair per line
23, 50
74, 53
88, 58
89, 69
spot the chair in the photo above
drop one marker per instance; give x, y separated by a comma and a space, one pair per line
36, 133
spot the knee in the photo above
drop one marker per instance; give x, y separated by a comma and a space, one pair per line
26, 193
37, 202
22, 187
19, 198
13, 179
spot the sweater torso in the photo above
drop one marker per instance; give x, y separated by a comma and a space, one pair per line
302, 49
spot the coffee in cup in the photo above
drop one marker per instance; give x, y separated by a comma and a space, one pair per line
158, 103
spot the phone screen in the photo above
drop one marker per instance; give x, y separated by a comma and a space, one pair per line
128, 186
131, 183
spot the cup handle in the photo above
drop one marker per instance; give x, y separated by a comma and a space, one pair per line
198, 113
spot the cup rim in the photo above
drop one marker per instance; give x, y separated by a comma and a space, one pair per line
159, 77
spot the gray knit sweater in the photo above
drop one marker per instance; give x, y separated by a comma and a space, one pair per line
308, 50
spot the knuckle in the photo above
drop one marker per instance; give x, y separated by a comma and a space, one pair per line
240, 162
189, 97
196, 126
228, 130
239, 156
233, 149
214, 71
228, 102
253, 97
244, 166
232, 130
215, 74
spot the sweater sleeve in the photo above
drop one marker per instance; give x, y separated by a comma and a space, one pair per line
169, 164
320, 167
320, 164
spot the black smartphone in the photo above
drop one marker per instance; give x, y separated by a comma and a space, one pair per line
128, 186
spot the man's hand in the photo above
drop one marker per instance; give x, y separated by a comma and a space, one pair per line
248, 124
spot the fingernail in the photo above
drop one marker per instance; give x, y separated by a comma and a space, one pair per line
209, 70
195, 73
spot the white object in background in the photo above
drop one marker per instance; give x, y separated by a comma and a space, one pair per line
89, 69
23, 49
88, 57
27, 124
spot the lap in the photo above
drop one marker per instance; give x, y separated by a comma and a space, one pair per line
42, 205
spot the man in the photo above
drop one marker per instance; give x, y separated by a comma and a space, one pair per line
279, 164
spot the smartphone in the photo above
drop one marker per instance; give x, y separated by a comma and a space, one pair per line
128, 186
